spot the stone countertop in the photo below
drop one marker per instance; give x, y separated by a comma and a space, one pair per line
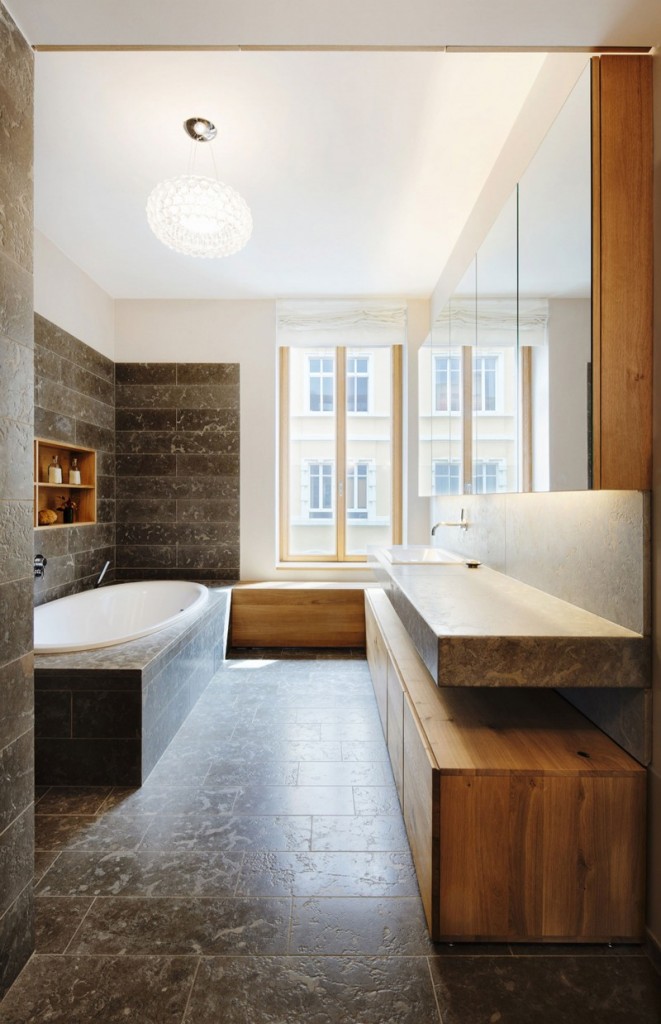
479, 627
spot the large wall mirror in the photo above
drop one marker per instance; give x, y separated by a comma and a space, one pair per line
505, 376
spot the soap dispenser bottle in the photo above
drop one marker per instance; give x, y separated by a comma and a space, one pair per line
55, 471
74, 472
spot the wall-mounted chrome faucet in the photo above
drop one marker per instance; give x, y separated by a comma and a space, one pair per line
101, 575
462, 523
40, 564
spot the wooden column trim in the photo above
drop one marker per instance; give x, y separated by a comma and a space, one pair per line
397, 442
283, 455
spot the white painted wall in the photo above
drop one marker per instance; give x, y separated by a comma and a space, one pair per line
68, 297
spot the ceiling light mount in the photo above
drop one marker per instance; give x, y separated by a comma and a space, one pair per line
197, 215
200, 129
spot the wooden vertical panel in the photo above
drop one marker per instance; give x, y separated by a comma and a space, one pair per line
526, 861
596, 271
421, 814
397, 442
283, 455
341, 450
474, 860
396, 728
625, 285
377, 659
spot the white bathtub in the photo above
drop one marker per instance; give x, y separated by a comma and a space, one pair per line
113, 615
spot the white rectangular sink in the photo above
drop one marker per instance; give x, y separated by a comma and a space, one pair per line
418, 554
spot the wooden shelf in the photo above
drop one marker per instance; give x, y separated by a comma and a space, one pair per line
47, 495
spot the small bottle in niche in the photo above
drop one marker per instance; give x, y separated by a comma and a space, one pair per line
74, 472
55, 471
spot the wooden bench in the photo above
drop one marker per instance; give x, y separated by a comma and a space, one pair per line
526, 822
298, 615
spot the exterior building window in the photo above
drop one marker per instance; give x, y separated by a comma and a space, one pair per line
485, 476
358, 383
321, 377
485, 377
320, 482
447, 383
446, 477
361, 496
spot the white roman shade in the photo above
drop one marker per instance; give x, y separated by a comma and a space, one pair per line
349, 322
492, 322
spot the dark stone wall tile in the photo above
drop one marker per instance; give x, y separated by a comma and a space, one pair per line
52, 714
211, 575
106, 713
158, 441
87, 538
17, 764
16, 460
207, 510
145, 419
89, 435
177, 396
180, 487
216, 464
17, 376
146, 510
89, 762
51, 543
105, 463
105, 510
59, 398
209, 534
15, 539
16, 937
47, 363
16, 146
88, 564
105, 486
208, 556
16, 857
147, 533
54, 425
208, 373
146, 373
15, 620
66, 345
16, 302
61, 570
145, 555
143, 465
208, 421
17, 699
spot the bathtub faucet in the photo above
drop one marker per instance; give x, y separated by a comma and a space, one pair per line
40, 564
101, 575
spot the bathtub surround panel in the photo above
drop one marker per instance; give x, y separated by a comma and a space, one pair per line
75, 403
16, 418
591, 548
177, 437
105, 717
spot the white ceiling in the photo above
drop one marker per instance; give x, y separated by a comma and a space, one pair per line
360, 167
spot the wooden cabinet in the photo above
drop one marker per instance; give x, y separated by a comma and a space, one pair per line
526, 822
377, 659
52, 495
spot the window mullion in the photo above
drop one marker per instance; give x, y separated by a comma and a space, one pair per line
341, 449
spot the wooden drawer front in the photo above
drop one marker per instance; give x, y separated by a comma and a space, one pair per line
377, 659
421, 789
396, 728
546, 858
297, 617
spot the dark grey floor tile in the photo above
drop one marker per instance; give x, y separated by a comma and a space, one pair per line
555, 990
376, 800
366, 731
145, 873
272, 748
185, 926
42, 861
240, 773
230, 832
358, 832
56, 921
309, 990
288, 732
327, 874
108, 990
344, 773
72, 800
365, 750
87, 832
295, 800
363, 926
576, 949
150, 801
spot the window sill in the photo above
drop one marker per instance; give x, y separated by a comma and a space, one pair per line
322, 566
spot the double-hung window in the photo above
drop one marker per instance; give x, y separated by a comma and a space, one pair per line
447, 383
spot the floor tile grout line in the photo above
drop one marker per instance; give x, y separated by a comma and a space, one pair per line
190, 991
80, 925
431, 978
291, 924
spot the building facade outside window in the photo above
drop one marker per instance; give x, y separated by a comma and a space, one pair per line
321, 380
447, 383
446, 477
485, 383
358, 383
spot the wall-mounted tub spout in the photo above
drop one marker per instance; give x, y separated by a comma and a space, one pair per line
462, 523
40, 564
101, 575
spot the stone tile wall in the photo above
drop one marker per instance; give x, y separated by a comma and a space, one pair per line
177, 436
16, 375
74, 398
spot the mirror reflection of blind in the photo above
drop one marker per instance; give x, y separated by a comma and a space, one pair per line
351, 323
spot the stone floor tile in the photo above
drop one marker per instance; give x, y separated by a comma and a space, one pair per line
56, 922
43, 859
231, 832
87, 832
295, 800
145, 873
185, 926
109, 990
72, 800
363, 926
366, 750
376, 800
309, 990
344, 773
327, 874
358, 832
552, 990
150, 801
246, 773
